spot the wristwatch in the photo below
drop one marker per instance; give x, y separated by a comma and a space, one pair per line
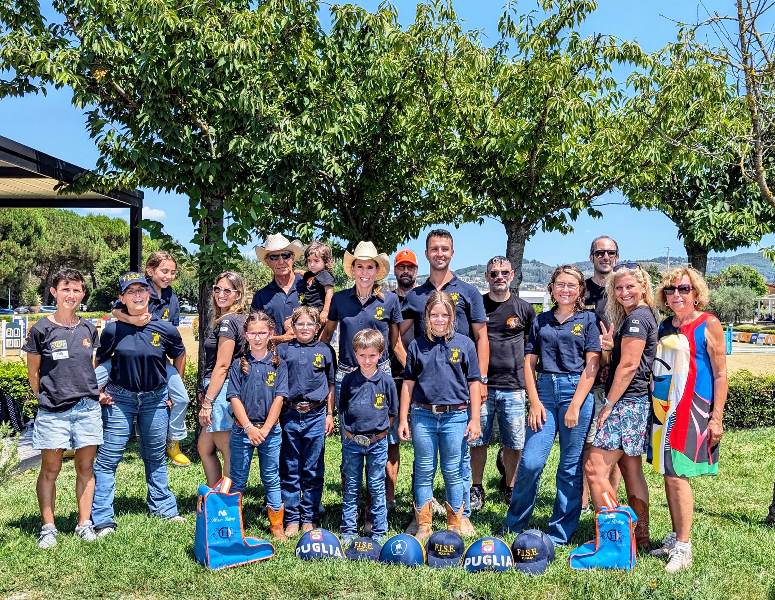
483, 379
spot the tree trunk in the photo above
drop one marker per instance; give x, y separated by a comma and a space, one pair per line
210, 231
697, 256
517, 234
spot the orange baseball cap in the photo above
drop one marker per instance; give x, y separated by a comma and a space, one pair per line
406, 256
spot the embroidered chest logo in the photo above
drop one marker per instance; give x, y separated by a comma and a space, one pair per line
513, 322
59, 345
454, 296
301, 298
317, 362
577, 329
379, 313
156, 339
454, 355
379, 401
86, 343
166, 314
270, 378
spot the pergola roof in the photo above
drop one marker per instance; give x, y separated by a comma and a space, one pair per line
28, 179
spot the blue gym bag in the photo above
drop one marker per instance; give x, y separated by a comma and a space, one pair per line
220, 541
614, 544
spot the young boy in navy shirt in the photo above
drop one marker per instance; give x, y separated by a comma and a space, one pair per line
367, 406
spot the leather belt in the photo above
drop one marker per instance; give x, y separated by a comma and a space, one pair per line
305, 407
438, 409
364, 439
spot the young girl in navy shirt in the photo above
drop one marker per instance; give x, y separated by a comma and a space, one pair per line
441, 383
306, 418
257, 387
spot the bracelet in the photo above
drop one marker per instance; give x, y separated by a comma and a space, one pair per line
210, 399
206, 407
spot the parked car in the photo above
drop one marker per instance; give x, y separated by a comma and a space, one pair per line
6, 311
187, 308
48, 309
22, 310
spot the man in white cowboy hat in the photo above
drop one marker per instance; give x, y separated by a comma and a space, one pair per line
279, 297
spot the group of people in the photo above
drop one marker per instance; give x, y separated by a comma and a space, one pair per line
435, 364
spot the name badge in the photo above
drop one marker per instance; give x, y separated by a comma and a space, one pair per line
60, 355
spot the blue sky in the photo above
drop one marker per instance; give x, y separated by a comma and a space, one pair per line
51, 124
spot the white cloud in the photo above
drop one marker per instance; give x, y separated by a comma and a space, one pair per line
154, 213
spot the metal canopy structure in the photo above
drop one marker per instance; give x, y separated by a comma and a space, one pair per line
28, 179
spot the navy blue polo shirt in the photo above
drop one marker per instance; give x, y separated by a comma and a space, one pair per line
312, 288
258, 389
367, 403
469, 306
165, 307
138, 355
311, 368
354, 316
273, 300
561, 348
441, 369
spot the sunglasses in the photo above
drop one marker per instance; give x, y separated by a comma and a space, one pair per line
283, 255
225, 291
602, 253
494, 274
626, 265
681, 289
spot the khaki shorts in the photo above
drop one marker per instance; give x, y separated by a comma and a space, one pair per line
599, 393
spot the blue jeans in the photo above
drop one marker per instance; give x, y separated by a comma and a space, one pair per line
555, 393
509, 407
302, 463
268, 463
150, 410
176, 430
353, 457
440, 438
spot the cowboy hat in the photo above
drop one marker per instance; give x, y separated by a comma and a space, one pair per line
277, 242
367, 251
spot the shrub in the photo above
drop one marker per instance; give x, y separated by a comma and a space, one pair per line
15, 385
751, 401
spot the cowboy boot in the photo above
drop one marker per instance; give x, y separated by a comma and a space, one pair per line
276, 523
454, 518
641, 510
424, 518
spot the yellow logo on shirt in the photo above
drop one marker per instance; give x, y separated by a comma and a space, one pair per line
86, 343
301, 298
454, 296
379, 313
156, 339
59, 345
270, 377
379, 401
317, 362
166, 314
454, 356
577, 329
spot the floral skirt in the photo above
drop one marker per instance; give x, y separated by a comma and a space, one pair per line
625, 427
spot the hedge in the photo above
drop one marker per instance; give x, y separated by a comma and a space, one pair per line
751, 401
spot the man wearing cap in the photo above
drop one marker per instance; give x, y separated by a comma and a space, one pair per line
279, 297
508, 323
470, 320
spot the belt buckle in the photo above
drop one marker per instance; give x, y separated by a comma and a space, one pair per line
362, 440
438, 409
303, 407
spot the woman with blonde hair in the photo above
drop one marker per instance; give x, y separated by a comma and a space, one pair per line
688, 393
225, 342
629, 345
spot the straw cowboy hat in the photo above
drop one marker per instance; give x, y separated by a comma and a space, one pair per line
367, 251
277, 243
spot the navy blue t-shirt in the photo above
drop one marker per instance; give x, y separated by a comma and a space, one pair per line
469, 306
441, 369
138, 355
367, 403
230, 327
311, 368
640, 324
273, 300
312, 288
165, 307
561, 348
258, 389
354, 316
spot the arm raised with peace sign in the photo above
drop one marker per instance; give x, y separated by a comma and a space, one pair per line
606, 338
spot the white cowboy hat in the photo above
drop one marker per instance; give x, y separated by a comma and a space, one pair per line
367, 251
277, 242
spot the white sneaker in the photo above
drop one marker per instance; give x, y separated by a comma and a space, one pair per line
105, 531
679, 557
86, 532
176, 519
47, 538
667, 544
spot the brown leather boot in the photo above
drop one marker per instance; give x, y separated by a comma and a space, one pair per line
454, 518
424, 518
276, 523
641, 509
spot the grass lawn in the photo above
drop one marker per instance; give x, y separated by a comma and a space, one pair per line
734, 554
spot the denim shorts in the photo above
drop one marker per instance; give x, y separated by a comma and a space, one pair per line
599, 393
77, 427
222, 415
509, 407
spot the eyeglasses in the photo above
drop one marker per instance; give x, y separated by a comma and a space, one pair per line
566, 286
283, 255
137, 292
225, 291
304, 325
255, 334
681, 289
626, 265
494, 274
602, 253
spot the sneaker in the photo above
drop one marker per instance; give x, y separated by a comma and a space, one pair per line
437, 508
86, 532
477, 497
667, 544
47, 538
176, 519
105, 531
176, 456
679, 557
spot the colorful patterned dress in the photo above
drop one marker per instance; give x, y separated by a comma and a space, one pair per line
682, 402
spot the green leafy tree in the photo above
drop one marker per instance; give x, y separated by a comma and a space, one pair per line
20, 231
732, 304
740, 276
